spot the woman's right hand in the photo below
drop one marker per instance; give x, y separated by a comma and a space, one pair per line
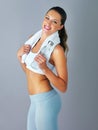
23, 50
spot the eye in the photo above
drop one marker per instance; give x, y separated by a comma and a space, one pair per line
55, 22
46, 17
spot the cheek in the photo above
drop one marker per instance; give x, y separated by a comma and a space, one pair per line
42, 24
58, 27
55, 28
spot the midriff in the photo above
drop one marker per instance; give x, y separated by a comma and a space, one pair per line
37, 83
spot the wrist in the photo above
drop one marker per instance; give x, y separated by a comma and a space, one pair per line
45, 70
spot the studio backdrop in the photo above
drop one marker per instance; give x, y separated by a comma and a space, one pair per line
21, 18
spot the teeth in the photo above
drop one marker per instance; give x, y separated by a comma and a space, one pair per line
46, 27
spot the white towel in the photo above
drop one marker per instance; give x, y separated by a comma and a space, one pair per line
32, 41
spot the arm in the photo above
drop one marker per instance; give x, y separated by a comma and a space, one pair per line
60, 80
23, 50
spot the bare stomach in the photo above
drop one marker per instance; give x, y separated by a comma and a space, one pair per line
37, 83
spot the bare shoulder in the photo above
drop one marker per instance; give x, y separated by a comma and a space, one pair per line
59, 53
58, 48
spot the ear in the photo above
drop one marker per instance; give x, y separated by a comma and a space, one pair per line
61, 27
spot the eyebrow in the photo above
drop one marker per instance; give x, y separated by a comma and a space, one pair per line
53, 19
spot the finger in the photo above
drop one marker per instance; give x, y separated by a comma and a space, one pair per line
39, 59
27, 48
41, 56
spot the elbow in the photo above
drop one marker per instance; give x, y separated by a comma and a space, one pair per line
64, 88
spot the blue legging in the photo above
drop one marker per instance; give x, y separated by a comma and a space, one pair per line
43, 111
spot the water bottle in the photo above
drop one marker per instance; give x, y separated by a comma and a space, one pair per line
45, 52
46, 49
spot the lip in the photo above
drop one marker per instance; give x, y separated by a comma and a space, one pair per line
47, 27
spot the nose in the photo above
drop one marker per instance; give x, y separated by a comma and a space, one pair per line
49, 22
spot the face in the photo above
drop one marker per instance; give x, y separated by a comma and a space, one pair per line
51, 22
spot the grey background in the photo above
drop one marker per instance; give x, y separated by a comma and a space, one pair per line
21, 18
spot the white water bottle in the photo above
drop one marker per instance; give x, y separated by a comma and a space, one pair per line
46, 49
45, 52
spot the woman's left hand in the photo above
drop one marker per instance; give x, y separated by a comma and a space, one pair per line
41, 60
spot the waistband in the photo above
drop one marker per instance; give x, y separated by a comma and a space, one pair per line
43, 96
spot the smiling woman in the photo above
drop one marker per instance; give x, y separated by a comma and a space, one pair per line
52, 21
45, 101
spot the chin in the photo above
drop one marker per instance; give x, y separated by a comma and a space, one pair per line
46, 31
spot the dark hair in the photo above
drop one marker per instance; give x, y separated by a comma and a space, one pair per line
62, 33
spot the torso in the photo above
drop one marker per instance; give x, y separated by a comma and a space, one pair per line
37, 83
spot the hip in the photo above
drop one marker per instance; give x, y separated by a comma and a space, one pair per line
50, 96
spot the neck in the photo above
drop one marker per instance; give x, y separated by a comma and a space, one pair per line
43, 36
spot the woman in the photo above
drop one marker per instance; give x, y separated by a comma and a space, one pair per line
38, 67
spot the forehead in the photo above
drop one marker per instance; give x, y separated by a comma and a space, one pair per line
54, 14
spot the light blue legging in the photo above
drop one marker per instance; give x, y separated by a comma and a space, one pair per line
43, 111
